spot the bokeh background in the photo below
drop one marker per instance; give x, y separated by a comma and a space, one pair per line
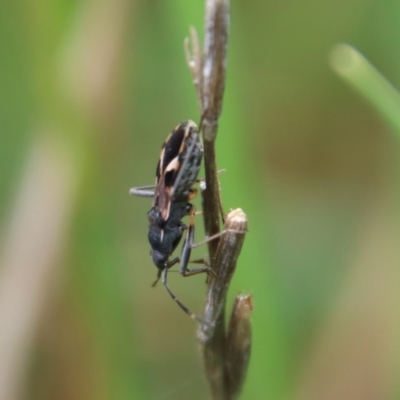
88, 92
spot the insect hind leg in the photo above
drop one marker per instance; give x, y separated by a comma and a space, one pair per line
217, 235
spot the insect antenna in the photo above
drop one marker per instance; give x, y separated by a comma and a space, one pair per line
183, 307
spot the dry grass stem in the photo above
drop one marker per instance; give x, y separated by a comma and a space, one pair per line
31, 246
208, 71
213, 340
225, 355
238, 343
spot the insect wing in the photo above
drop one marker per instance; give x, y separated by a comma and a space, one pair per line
190, 156
167, 170
178, 166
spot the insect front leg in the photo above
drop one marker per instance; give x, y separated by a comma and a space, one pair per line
143, 191
168, 266
180, 304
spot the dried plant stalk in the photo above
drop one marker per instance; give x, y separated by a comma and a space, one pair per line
238, 344
213, 340
225, 356
208, 70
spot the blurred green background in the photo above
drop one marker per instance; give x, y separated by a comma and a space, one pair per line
89, 90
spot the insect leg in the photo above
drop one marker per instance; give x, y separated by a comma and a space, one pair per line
198, 261
158, 278
200, 270
217, 235
142, 191
183, 307
200, 180
203, 186
159, 272
187, 247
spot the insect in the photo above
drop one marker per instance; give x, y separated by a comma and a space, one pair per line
176, 173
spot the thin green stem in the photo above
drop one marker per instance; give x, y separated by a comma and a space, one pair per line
355, 69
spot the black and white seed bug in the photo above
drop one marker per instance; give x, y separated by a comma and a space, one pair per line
177, 170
